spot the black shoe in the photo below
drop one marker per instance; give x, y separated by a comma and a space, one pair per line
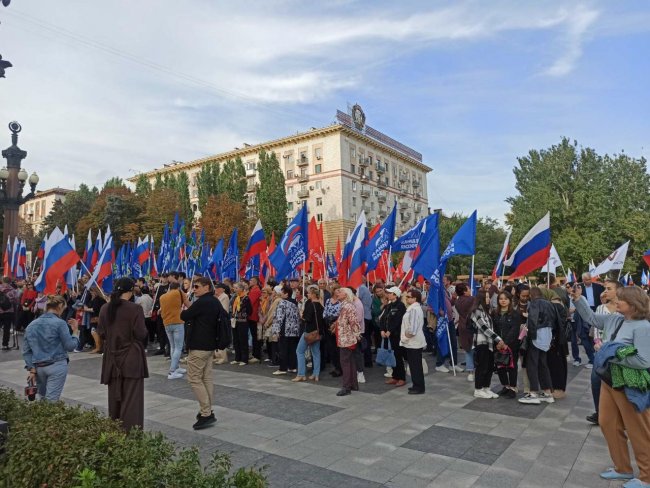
343, 392
367, 365
510, 394
593, 418
204, 422
336, 374
198, 415
503, 391
6, 348
159, 352
415, 392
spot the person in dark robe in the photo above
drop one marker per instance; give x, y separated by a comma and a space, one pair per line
124, 364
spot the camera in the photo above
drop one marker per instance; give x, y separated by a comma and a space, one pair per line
30, 390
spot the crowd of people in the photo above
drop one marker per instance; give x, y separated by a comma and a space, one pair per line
527, 335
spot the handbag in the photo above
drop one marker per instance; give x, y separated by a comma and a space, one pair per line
386, 355
503, 359
314, 335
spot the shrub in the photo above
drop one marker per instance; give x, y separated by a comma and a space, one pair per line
52, 445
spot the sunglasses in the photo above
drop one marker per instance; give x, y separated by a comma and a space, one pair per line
196, 286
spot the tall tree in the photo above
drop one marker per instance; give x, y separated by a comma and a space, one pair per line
271, 195
596, 202
142, 186
232, 180
221, 216
208, 182
160, 208
114, 182
159, 183
182, 187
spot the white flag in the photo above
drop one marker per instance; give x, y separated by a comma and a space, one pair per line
615, 260
553, 261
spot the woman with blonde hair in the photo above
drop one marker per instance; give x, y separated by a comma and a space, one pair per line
46, 346
347, 329
618, 417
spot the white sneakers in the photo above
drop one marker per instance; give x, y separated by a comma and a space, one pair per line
360, 377
388, 373
589, 366
442, 369
470, 377
576, 363
180, 370
174, 376
459, 369
485, 393
535, 399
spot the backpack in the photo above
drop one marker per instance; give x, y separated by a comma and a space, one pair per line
5, 303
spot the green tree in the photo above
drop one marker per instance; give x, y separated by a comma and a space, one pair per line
114, 182
159, 183
208, 182
169, 181
596, 202
232, 180
183, 189
142, 186
271, 195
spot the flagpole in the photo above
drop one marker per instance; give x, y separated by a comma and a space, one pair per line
471, 277
34, 268
390, 251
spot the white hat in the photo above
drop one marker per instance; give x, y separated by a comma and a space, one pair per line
278, 289
395, 291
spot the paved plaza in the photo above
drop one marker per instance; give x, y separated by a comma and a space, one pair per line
306, 436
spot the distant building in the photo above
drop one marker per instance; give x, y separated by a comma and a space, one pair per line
35, 211
339, 170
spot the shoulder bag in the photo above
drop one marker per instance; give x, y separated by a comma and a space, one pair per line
314, 335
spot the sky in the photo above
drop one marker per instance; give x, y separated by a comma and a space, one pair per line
107, 89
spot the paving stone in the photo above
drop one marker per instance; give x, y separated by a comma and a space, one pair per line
453, 479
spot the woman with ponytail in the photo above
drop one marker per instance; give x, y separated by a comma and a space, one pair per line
124, 365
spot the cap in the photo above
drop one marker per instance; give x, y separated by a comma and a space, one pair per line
395, 291
278, 289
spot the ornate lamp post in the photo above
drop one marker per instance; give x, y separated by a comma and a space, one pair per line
12, 182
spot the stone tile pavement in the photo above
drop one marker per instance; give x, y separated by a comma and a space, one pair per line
306, 436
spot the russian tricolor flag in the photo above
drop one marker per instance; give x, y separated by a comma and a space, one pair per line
534, 249
256, 246
498, 268
357, 266
58, 258
646, 257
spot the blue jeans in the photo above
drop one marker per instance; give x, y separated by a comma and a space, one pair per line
315, 356
175, 334
469, 361
575, 352
595, 388
50, 380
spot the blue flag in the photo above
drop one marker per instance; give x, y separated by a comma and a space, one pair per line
426, 257
381, 241
229, 265
442, 331
292, 251
332, 268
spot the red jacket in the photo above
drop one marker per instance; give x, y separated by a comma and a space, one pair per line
254, 295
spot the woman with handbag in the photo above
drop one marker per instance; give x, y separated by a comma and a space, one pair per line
312, 317
618, 418
507, 324
412, 339
286, 328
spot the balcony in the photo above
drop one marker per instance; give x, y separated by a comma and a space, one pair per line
406, 216
364, 161
381, 196
303, 193
364, 177
365, 192
251, 187
302, 160
416, 183
365, 208
403, 205
403, 191
250, 173
380, 167
418, 208
303, 177
403, 178
382, 213
417, 194
381, 183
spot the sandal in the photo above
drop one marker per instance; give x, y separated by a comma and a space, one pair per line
314, 378
299, 378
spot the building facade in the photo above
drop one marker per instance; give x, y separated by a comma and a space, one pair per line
340, 171
35, 211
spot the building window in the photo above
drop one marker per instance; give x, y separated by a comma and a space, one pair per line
353, 168
303, 188
354, 186
289, 174
318, 185
354, 201
318, 152
319, 202
318, 168
290, 206
353, 153
43, 214
290, 191
319, 217
354, 216
370, 174
251, 165
372, 205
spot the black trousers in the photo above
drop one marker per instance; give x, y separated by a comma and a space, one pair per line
537, 369
240, 341
483, 366
287, 348
414, 358
508, 376
151, 328
162, 335
399, 371
6, 319
557, 366
257, 344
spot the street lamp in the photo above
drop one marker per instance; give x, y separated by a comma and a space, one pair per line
12, 182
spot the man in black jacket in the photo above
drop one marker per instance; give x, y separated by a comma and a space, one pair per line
203, 316
390, 324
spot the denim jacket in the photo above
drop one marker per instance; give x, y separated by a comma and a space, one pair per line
47, 339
